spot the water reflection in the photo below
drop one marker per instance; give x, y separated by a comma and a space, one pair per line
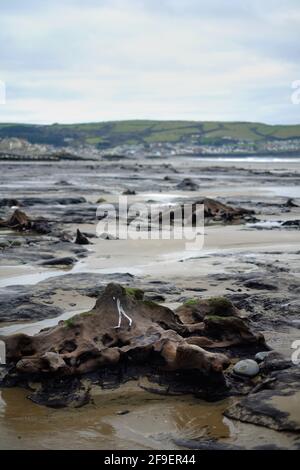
151, 422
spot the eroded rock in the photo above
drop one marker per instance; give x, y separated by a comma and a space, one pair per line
21, 222
81, 239
126, 333
277, 407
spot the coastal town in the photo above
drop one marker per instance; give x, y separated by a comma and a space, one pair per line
20, 149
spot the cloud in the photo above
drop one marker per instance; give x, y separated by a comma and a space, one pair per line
167, 59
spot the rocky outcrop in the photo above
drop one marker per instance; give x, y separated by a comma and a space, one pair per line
21, 222
276, 407
91, 340
124, 331
217, 324
218, 211
81, 239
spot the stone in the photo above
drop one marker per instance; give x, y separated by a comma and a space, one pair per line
187, 184
246, 367
65, 261
135, 336
260, 356
276, 408
81, 239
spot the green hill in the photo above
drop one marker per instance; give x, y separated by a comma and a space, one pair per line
108, 134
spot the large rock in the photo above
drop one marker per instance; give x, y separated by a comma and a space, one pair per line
125, 336
277, 407
218, 211
88, 341
21, 222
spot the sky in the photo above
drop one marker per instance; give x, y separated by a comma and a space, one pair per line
98, 60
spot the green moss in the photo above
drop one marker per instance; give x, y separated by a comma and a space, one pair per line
69, 323
220, 306
134, 292
86, 314
191, 302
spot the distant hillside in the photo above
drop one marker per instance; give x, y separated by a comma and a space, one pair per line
109, 134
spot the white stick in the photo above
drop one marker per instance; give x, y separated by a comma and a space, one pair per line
121, 312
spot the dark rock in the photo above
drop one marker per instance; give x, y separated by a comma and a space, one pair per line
5, 202
65, 261
276, 408
260, 284
47, 201
129, 192
21, 222
291, 223
290, 203
81, 239
61, 392
187, 184
274, 361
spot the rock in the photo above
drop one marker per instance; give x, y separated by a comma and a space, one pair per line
260, 284
157, 344
246, 367
76, 338
47, 201
129, 192
274, 361
276, 408
260, 356
5, 202
290, 203
21, 222
61, 392
218, 211
81, 239
156, 297
19, 303
291, 223
65, 261
196, 309
187, 184
18, 221
53, 361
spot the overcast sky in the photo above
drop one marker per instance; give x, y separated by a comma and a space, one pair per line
96, 60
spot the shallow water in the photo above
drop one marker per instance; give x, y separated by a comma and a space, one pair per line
152, 421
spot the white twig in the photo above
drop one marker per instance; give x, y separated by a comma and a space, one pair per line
121, 312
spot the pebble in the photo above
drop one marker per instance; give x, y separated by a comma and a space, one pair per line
247, 367
261, 356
